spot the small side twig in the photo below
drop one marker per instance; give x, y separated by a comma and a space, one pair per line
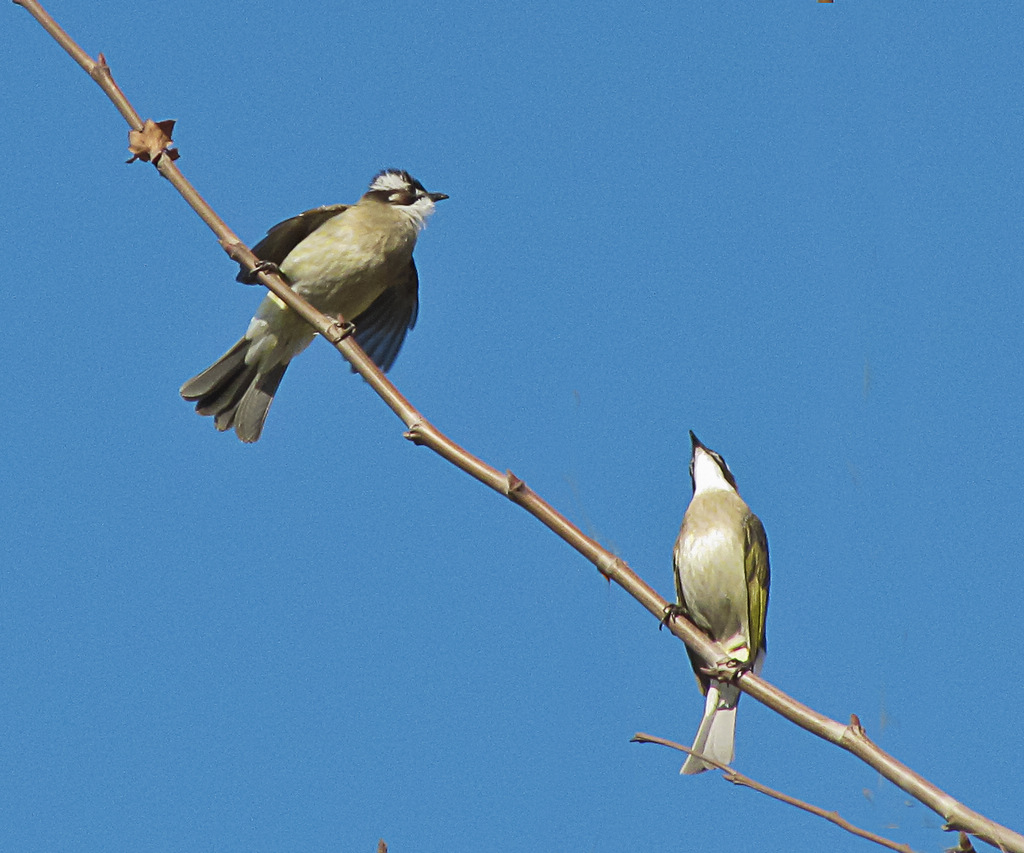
963, 845
732, 775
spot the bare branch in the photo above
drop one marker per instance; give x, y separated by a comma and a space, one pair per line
737, 778
420, 431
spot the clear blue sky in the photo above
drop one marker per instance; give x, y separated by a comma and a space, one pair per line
792, 227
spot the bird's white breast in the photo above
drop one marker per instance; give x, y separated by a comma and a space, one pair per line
709, 559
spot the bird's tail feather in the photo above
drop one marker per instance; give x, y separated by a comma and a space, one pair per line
252, 409
237, 394
717, 732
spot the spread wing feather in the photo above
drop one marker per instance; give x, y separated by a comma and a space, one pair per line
381, 328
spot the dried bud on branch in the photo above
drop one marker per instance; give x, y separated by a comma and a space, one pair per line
152, 142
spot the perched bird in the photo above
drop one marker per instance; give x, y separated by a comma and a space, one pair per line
721, 571
353, 260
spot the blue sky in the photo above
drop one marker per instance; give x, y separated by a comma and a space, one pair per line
794, 228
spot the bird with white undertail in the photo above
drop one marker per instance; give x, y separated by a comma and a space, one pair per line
722, 577
349, 260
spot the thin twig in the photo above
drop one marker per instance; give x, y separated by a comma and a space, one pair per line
963, 845
420, 431
737, 778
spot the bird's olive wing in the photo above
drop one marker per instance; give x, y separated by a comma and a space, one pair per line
285, 236
758, 577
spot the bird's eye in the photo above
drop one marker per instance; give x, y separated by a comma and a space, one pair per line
401, 197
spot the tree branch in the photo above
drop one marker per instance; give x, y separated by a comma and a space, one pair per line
738, 778
420, 431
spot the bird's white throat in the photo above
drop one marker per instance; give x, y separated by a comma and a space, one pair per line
707, 475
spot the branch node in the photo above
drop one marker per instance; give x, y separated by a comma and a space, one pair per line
854, 732
734, 777
153, 141
609, 565
100, 69
234, 250
338, 330
514, 487
415, 434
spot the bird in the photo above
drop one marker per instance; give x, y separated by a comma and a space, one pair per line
349, 260
722, 578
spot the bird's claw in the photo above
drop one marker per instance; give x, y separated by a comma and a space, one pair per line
670, 611
340, 329
725, 670
263, 266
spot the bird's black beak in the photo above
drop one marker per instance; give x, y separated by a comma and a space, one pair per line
436, 196
695, 442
